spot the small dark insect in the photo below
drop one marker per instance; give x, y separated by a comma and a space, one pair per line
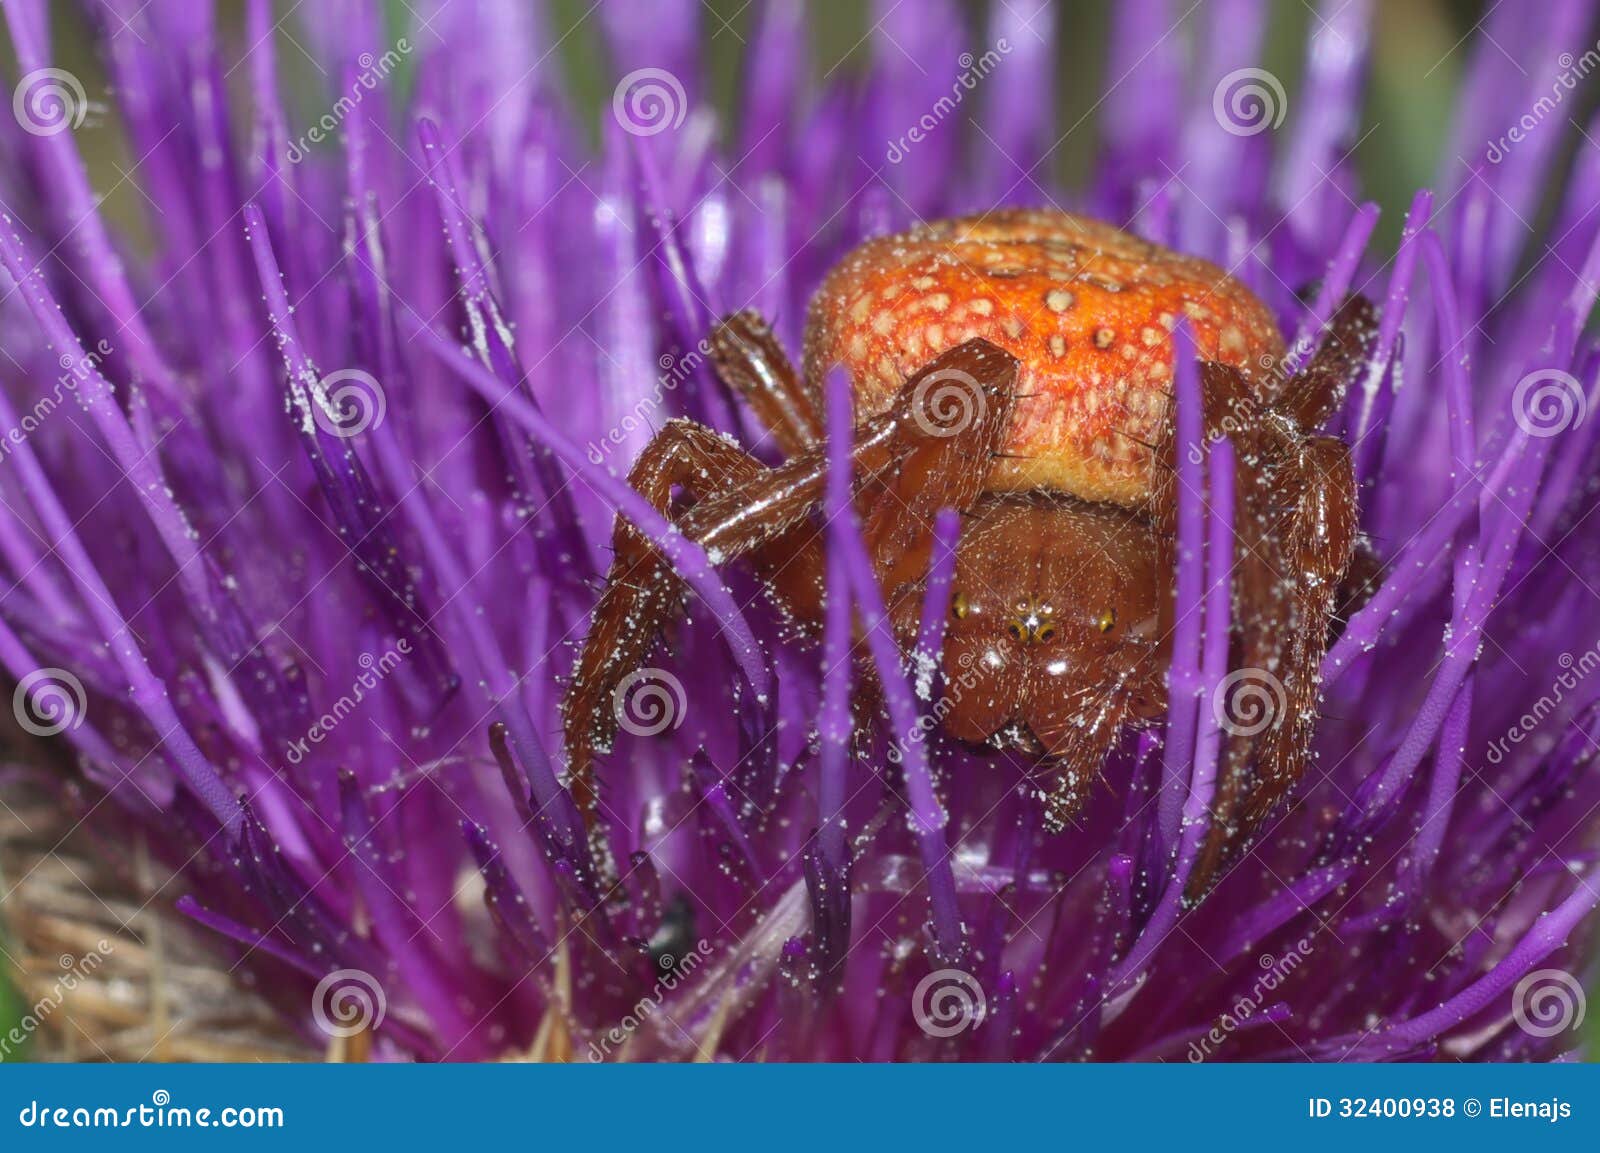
674, 938
1018, 367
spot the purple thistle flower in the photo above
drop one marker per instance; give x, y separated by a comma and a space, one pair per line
304, 503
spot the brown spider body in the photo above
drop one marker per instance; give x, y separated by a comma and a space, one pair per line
1041, 637
1018, 367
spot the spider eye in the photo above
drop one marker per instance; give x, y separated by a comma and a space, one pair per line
959, 608
1107, 620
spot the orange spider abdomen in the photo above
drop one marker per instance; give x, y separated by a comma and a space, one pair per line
1088, 310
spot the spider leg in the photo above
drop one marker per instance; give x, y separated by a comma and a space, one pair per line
641, 591
954, 417
1262, 577
1318, 546
1361, 583
1232, 409
744, 507
1078, 735
1289, 562
1288, 593
749, 359
1265, 614
1315, 393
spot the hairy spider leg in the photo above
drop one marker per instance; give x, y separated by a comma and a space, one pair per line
749, 359
1291, 558
743, 507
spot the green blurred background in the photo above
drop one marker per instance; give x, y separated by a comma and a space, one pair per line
1419, 50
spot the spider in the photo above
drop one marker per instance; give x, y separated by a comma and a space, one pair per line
1017, 366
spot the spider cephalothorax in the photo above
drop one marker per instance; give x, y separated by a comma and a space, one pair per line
1018, 366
